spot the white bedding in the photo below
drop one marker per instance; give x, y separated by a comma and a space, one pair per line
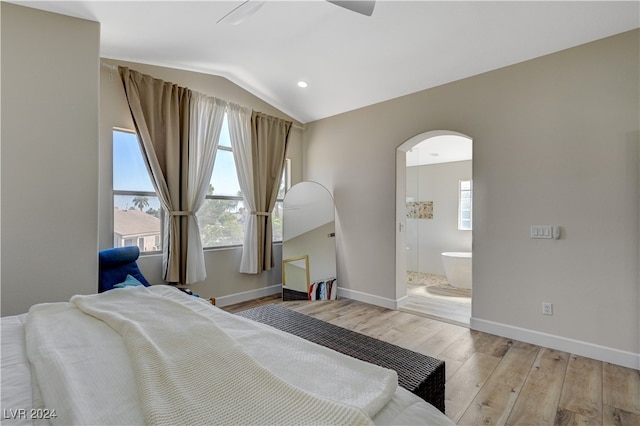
110, 383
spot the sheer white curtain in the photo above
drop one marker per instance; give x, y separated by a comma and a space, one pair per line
205, 124
239, 120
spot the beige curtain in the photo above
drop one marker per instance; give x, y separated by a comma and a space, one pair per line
160, 113
269, 139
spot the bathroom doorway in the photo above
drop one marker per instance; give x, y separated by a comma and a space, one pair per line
435, 220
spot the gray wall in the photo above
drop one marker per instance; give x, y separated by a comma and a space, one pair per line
222, 265
555, 142
427, 238
49, 157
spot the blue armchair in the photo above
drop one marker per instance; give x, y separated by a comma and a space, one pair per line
115, 264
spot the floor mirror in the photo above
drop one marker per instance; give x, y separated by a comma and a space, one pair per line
308, 244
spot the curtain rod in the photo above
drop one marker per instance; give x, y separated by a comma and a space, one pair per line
112, 67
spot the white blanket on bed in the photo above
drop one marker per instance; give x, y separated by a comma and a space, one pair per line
187, 369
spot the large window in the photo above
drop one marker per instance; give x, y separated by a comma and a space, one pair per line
137, 209
223, 213
465, 204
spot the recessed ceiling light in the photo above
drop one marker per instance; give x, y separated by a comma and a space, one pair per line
434, 154
302, 84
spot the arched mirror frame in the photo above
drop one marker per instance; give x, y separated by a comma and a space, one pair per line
308, 243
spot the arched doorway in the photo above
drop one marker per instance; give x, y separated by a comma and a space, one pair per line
434, 216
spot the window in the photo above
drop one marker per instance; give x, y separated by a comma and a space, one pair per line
136, 208
223, 214
137, 211
465, 197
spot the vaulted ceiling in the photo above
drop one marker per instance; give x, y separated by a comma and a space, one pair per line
349, 60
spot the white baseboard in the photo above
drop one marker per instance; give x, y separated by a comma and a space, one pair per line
342, 292
371, 299
400, 303
576, 347
248, 295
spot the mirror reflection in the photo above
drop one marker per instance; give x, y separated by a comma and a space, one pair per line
308, 244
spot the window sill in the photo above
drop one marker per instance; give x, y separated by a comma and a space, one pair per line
221, 248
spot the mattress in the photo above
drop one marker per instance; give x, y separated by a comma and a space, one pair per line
22, 402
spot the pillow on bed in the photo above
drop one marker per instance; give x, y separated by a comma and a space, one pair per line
128, 282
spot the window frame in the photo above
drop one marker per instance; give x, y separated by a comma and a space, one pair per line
286, 179
461, 210
121, 192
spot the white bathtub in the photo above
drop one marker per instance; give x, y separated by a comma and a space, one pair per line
457, 267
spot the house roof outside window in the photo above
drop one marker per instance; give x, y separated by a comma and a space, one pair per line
129, 223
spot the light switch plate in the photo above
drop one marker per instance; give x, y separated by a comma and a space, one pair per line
542, 231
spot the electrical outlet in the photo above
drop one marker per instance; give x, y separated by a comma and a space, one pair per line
547, 308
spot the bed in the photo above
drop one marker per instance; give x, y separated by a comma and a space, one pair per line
154, 355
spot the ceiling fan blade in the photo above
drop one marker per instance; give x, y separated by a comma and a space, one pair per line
364, 7
242, 12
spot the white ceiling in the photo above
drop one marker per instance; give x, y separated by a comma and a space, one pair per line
349, 60
440, 149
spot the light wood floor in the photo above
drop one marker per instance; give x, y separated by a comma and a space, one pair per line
492, 380
455, 310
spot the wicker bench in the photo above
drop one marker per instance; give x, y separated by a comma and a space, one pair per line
420, 374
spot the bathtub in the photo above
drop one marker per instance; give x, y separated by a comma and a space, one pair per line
457, 267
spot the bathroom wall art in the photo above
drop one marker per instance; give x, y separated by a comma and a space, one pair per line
420, 210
